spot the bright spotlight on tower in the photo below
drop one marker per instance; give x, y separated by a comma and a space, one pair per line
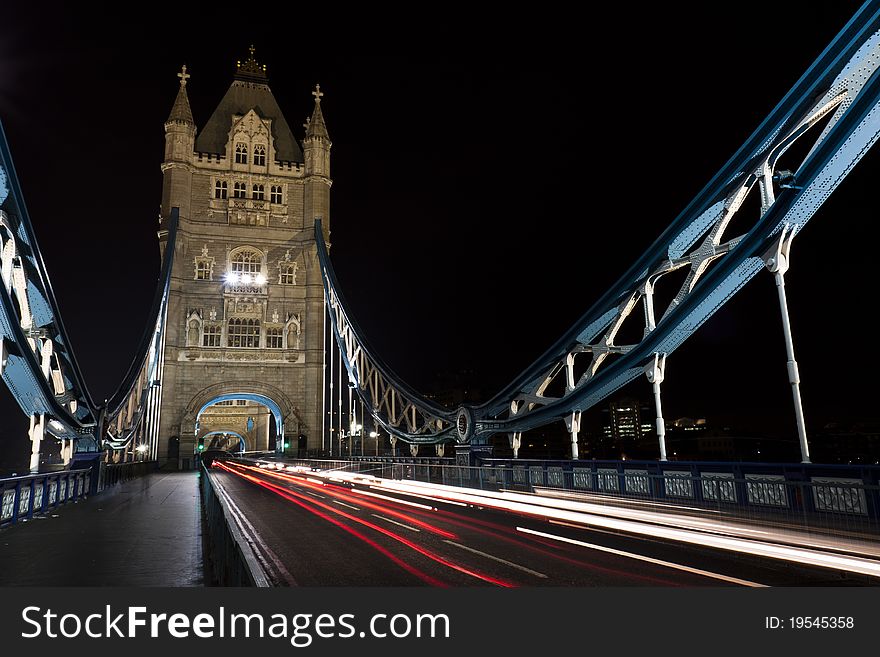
260, 279
246, 279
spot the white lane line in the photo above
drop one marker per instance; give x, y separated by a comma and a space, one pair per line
498, 559
641, 557
355, 508
394, 522
393, 499
323, 497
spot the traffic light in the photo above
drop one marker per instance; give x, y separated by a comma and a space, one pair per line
201, 444
286, 444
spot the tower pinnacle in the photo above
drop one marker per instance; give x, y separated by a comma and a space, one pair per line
181, 111
315, 126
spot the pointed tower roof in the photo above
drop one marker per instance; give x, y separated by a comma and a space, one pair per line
249, 91
181, 111
315, 127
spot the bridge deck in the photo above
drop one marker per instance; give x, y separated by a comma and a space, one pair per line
143, 532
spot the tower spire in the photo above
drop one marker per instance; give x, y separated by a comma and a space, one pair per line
315, 127
181, 111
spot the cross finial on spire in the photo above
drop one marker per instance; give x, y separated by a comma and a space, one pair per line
317, 93
251, 49
183, 75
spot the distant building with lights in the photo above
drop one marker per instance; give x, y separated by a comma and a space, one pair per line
629, 425
246, 308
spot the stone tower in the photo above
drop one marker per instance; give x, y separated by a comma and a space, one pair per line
245, 315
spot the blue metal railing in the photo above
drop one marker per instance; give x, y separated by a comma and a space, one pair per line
24, 497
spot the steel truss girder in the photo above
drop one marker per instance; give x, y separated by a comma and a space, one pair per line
37, 364
842, 87
125, 413
401, 411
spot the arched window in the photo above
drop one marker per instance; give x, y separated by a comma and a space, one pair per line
276, 194
260, 155
274, 338
247, 261
243, 332
220, 189
238, 190
259, 192
211, 335
241, 153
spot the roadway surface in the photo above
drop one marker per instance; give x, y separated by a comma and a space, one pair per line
314, 532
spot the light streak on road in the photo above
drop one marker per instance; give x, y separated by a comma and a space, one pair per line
307, 504
642, 557
824, 552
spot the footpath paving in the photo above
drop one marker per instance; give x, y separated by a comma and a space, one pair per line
142, 532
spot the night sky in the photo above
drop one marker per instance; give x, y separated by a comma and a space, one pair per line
486, 192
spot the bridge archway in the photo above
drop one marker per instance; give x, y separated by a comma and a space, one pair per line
221, 440
262, 416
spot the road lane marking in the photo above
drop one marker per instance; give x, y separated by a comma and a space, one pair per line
355, 508
394, 522
641, 557
498, 559
323, 497
393, 499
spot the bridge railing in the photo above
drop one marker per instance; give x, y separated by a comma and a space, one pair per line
829, 498
22, 498
231, 557
115, 473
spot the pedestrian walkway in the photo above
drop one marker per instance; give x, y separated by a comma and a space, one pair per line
142, 532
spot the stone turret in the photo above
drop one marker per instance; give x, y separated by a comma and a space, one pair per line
177, 170
316, 148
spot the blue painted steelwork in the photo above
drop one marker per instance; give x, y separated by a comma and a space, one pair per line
24, 497
37, 362
138, 393
39, 366
785, 489
842, 87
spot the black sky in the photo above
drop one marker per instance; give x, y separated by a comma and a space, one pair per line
486, 190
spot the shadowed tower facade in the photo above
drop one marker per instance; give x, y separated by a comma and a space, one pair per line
245, 313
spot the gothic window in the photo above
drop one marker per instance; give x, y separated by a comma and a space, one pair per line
220, 189
259, 192
274, 337
241, 153
204, 266
238, 190
288, 274
247, 262
243, 332
276, 194
260, 155
211, 335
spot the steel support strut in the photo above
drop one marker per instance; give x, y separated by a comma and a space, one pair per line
36, 433
656, 371
573, 423
777, 260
